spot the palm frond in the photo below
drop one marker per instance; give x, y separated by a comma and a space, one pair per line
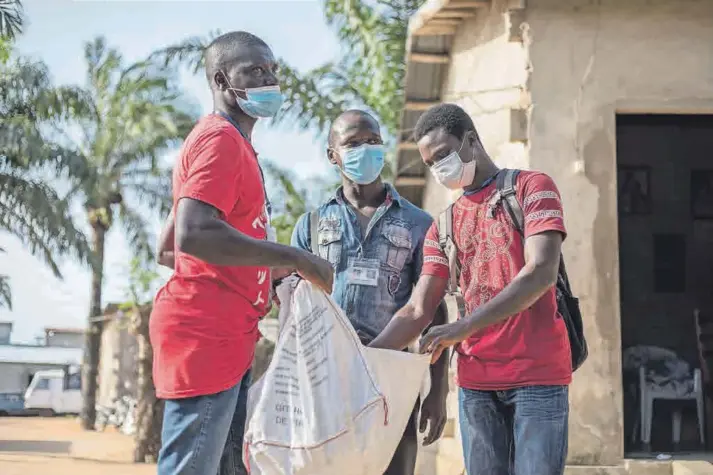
150, 187
144, 115
137, 232
314, 99
188, 53
11, 19
28, 107
32, 211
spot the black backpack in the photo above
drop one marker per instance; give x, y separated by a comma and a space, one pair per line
567, 304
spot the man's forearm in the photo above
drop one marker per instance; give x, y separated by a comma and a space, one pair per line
220, 244
524, 290
439, 370
403, 328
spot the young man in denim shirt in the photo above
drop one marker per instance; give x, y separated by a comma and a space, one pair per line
374, 239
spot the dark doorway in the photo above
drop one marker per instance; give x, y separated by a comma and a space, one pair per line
665, 204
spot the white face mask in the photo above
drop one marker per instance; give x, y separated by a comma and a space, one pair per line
452, 173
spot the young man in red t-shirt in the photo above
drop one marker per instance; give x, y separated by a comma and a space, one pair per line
203, 326
514, 363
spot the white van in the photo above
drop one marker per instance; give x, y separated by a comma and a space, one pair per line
51, 392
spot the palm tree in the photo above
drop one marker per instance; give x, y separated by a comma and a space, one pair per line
30, 209
370, 73
11, 19
290, 203
129, 117
11, 23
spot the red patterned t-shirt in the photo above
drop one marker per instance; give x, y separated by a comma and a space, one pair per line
531, 347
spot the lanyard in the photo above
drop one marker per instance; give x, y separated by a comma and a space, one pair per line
268, 205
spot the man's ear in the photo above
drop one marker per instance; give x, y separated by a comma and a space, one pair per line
332, 157
472, 139
220, 82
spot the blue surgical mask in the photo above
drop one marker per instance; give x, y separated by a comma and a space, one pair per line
363, 164
261, 102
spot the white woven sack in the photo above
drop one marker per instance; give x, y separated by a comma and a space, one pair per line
326, 404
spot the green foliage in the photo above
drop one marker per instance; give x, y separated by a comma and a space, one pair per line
5, 48
291, 204
5, 291
369, 75
29, 208
129, 116
11, 19
142, 283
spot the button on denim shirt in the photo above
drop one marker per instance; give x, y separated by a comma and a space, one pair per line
394, 237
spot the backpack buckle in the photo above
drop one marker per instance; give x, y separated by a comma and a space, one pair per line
493, 204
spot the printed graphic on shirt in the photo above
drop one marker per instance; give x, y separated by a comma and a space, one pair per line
528, 348
485, 241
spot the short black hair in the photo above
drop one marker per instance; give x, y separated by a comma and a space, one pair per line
222, 49
356, 112
450, 117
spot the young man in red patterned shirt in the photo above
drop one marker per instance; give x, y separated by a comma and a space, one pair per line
514, 362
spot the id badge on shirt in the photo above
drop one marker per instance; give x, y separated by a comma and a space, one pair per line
363, 272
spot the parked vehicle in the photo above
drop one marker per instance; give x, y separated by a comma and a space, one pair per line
54, 392
12, 404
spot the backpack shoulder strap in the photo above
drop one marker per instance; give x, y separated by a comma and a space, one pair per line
506, 186
314, 231
448, 247
447, 243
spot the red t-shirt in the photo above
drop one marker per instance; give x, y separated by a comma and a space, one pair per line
204, 322
527, 349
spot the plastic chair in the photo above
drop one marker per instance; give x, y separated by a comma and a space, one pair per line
649, 393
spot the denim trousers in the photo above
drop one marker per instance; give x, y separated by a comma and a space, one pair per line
203, 435
520, 431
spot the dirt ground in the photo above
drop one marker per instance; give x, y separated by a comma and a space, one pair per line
57, 446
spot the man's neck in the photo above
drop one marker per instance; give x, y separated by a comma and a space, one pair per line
244, 121
364, 196
484, 172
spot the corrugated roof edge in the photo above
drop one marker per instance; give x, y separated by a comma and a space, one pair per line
435, 19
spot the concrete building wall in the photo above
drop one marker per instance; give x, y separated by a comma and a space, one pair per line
5, 332
567, 67
65, 339
591, 60
487, 76
15, 377
117, 362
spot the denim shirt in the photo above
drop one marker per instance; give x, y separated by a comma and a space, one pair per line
393, 241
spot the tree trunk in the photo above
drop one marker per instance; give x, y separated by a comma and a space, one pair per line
149, 410
92, 345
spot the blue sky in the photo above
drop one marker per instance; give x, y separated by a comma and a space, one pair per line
56, 32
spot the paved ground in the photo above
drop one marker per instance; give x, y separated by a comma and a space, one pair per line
57, 446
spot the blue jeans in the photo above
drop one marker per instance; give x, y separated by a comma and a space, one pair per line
520, 431
203, 435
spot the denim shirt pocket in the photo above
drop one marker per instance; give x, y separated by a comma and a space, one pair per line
330, 243
396, 247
